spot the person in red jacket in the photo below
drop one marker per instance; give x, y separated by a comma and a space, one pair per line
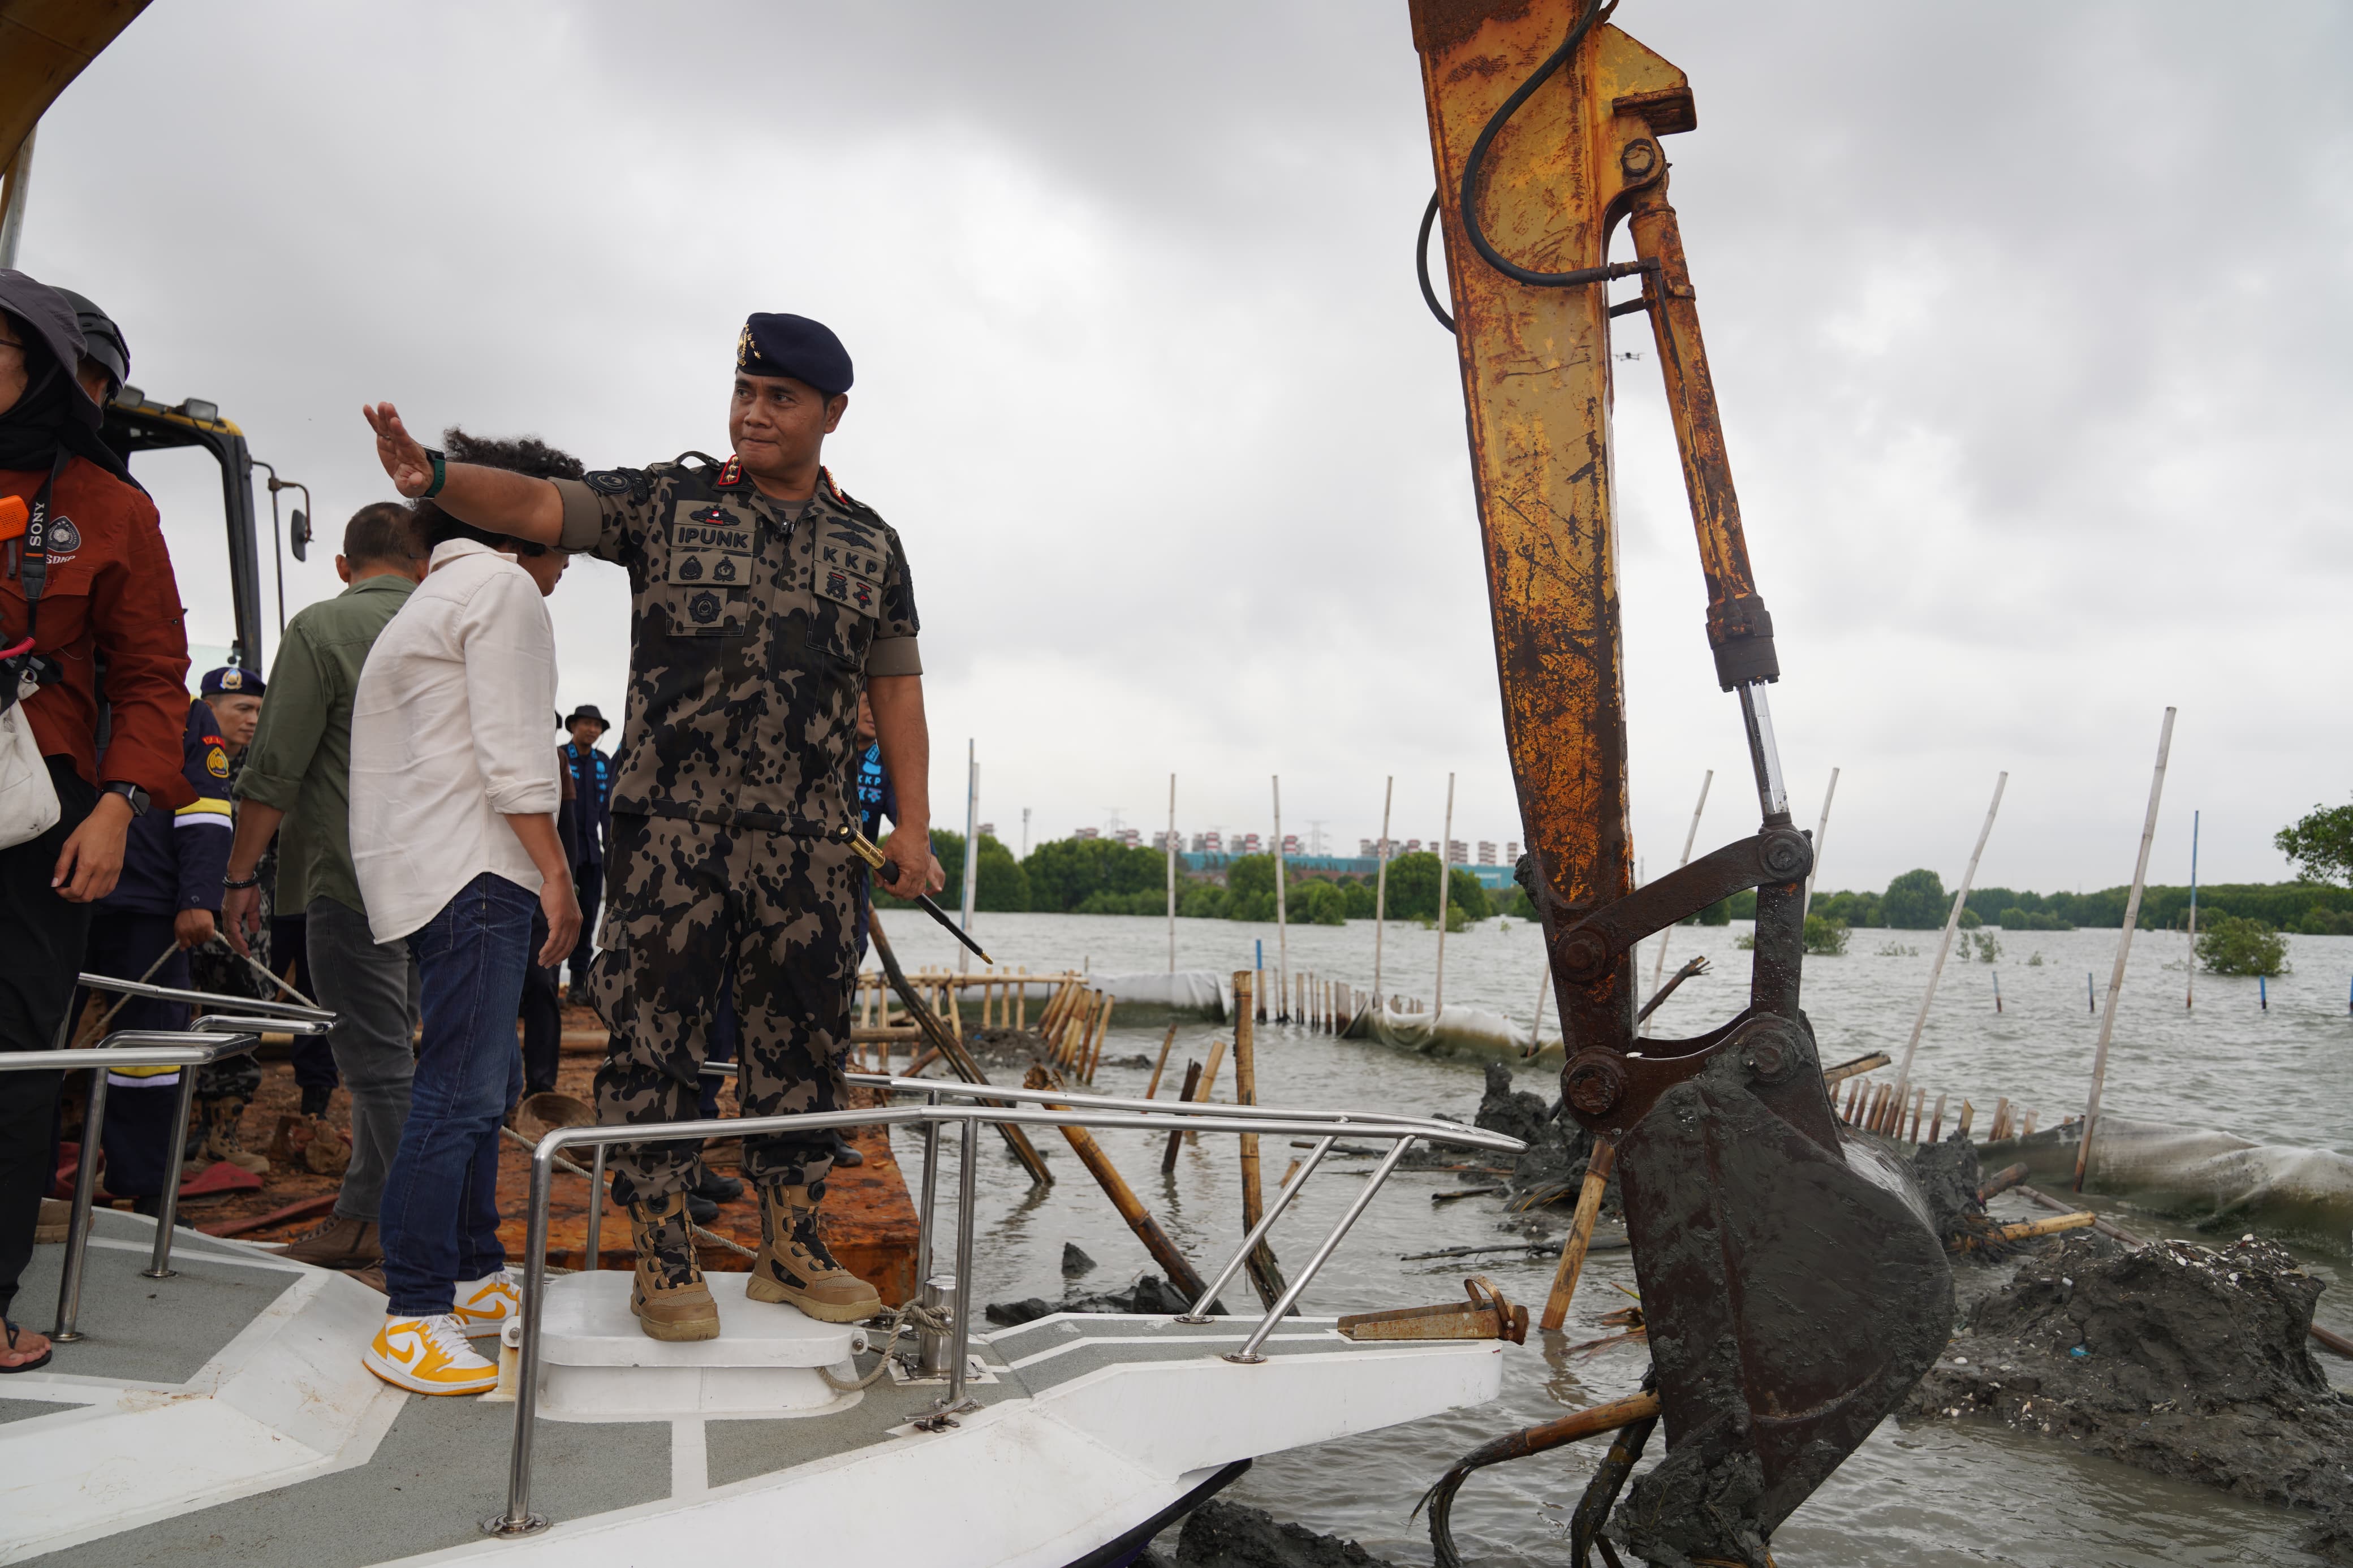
99, 588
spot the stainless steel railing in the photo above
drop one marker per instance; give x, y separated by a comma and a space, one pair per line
214, 1037
1027, 1108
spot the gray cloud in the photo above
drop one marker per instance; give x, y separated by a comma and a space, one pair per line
2028, 327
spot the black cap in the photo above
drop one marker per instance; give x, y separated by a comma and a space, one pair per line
586, 711
102, 340
50, 317
794, 346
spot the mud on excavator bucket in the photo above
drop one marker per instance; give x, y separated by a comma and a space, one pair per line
1793, 1287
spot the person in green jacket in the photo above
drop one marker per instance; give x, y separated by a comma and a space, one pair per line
297, 772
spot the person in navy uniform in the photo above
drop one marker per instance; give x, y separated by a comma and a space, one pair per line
590, 815
166, 902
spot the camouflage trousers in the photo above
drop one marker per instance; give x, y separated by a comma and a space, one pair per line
688, 904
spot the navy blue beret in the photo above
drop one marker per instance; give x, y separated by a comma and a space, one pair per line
229, 680
794, 346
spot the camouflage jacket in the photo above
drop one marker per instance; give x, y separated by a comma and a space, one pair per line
750, 635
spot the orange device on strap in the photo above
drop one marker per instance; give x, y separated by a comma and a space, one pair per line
14, 516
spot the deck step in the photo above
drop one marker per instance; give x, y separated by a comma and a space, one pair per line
596, 1364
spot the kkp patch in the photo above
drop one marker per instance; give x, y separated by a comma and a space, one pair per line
843, 588
217, 762
704, 608
64, 536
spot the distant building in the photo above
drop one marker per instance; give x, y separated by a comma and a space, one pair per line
1487, 852
1290, 844
1088, 832
1413, 845
1364, 848
1208, 843
988, 831
1511, 852
1249, 845
1457, 852
1129, 836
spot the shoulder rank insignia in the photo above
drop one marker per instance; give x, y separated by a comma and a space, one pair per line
730, 473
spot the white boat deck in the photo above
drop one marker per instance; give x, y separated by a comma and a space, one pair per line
222, 1419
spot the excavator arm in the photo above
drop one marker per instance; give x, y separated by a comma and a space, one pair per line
1793, 1288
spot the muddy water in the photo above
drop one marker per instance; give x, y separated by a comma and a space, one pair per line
1922, 1496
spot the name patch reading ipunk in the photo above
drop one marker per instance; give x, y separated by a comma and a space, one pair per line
710, 542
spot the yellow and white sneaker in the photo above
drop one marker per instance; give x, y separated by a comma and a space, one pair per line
485, 1306
428, 1355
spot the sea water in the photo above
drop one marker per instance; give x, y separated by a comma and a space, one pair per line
1927, 1494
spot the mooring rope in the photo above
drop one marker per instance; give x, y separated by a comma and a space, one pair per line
930, 1319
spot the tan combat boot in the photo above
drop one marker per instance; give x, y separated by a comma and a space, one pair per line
669, 1298
794, 1266
223, 1141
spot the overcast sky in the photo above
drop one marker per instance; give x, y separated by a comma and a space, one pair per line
2030, 324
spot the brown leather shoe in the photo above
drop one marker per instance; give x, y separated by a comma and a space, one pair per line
339, 1244
669, 1296
794, 1266
49, 1230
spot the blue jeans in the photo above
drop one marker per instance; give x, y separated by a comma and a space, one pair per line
439, 1216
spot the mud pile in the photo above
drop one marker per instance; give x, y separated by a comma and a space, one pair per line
2184, 1361
1150, 1295
1948, 1177
1229, 1535
1552, 1168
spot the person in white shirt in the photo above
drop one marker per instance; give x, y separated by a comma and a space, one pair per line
454, 793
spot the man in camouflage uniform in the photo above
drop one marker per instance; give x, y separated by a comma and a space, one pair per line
763, 598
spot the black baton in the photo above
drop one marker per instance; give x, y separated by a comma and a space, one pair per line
890, 874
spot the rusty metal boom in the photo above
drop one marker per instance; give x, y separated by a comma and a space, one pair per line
1794, 1293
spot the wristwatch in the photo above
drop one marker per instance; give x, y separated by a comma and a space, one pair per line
132, 795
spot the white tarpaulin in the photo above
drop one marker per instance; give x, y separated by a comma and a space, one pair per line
1188, 991
1449, 1031
2201, 1173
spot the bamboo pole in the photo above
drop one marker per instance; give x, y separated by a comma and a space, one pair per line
1021, 999
1166, 1040
958, 1058
1445, 903
1691, 836
1148, 1230
1266, 1278
1919, 1100
1210, 1074
1177, 1139
1172, 873
2002, 1181
1381, 884
1581, 1234
1102, 1029
1962, 1126
2124, 951
1952, 924
1936, 1121
1281, 914
2027, 1229
2189, 997
971, 878
1821, 834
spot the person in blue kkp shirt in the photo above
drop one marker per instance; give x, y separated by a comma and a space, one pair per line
167, 902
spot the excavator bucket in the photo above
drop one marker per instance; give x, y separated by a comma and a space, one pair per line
1794, 1288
